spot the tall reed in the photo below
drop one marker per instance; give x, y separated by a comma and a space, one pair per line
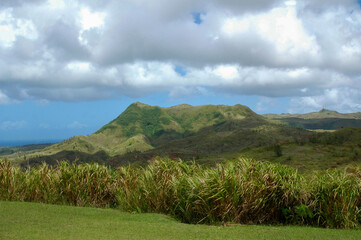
243, 191
80, 185
336, 199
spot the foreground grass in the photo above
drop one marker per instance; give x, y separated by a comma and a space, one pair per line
245, 192
19, 220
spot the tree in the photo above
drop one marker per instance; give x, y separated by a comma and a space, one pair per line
277, 149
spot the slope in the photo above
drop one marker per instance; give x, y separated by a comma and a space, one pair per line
142, 127
143, 131
324, 119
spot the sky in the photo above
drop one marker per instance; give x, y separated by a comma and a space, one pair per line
67, 67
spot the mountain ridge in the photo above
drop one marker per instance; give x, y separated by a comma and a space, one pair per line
323, 113
324, 119
141, 127
207, 134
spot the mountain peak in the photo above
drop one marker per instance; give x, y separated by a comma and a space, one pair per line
140, 104
181, 106
324, 110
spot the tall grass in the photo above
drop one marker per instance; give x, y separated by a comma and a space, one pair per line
336, 199
244, 191
80, 185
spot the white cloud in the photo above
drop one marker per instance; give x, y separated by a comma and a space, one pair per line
340, 99
79, 66
11, 28
227, 72
4, 99
56, 4
232, 26
62, 50
282, 28
91, 19
10, 125
291, 3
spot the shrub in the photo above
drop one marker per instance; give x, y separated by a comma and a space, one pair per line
277, 149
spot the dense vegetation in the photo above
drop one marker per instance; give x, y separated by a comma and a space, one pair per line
327, 124
322, 151
243, 191
300, 149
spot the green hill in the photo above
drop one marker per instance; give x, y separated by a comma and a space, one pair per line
192, 132
322, 114
142, 127
207, 134
324, 119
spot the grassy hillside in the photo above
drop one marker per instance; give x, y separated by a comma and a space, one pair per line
324, 119
322, 114
34, 221
20, 151
322, 151
155, 130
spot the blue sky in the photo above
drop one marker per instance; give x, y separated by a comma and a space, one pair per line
68, 67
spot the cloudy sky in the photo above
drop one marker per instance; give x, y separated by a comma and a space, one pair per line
68, 66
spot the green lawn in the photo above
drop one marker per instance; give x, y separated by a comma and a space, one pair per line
40, 221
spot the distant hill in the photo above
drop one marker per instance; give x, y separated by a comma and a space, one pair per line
191, 132
324, 119
20, 150
322, 114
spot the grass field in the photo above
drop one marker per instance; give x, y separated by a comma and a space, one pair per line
19, 220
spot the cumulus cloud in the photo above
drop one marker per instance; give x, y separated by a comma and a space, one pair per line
341, 99
62, 50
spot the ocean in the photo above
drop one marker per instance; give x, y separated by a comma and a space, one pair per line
13, 143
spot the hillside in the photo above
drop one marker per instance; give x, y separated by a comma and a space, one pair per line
142, 127
337, 149
322, 114
207, 134
324, 119
18, 151
190, 132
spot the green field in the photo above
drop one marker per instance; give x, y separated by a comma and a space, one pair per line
19, 220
